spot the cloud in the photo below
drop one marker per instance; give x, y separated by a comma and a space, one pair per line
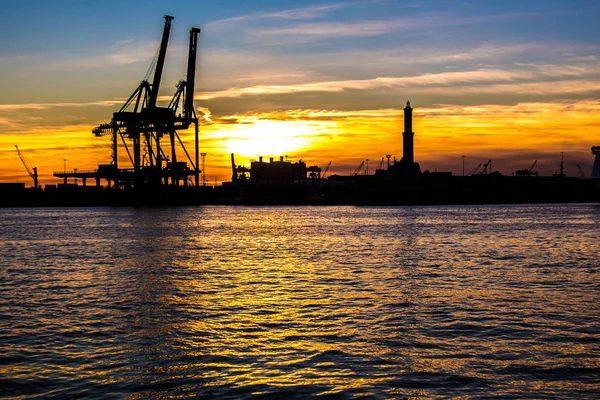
525, 110
19, 57
328, 30
317, 31
290, 14
45, 106
120, 54
575, 86
318, 115
239, 69
488, 80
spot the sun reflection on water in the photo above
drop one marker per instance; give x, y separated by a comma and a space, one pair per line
284, 301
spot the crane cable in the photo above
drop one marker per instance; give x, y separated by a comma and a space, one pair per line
152, 65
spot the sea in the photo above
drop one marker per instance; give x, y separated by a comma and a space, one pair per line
467, 302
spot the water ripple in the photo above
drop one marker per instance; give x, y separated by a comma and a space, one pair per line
298, 302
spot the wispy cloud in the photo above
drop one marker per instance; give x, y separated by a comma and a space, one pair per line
45, 106
290, 14
328, 30
486, 80
19, 57
122, 53
229, 68
530, 113
305, 32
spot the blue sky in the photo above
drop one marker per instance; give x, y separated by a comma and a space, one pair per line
76, 43
72, 63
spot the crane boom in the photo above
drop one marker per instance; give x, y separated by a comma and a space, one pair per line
191, 74
234, 174
359, 168
161, 61
324, 174
31, 171
487, 167
532, 165
476, 169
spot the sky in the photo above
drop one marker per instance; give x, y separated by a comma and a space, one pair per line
507, 81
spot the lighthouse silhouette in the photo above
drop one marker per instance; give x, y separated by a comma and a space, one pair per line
407, 165
408, 136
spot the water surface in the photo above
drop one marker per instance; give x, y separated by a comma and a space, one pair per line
294, 302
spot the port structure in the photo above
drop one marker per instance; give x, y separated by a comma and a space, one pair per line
275, 172
596, 168
141, 125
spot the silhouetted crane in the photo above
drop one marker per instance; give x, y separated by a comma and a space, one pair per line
474, 172
324, 174
487, 168
359, 168
527, 172
31, 171
581, 173
561, 173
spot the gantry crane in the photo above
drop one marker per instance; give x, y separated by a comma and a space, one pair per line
141, 121
31, 171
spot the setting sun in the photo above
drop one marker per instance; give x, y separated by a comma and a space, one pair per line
263, 137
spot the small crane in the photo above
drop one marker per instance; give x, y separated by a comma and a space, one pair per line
531, 168
581, 173
561, 174
487, 168
528, 171
31, 171
324, 174
381, 163
359, 168
476, 169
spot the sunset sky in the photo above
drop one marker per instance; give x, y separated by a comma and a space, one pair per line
510, 81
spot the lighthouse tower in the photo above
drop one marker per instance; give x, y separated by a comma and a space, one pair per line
596, 167
407, 165
408, 136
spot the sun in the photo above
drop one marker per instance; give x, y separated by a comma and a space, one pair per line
268, 138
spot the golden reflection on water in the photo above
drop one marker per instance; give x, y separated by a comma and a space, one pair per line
387, 301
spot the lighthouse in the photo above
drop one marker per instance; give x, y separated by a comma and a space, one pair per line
596, 167
407, 165
408, 136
